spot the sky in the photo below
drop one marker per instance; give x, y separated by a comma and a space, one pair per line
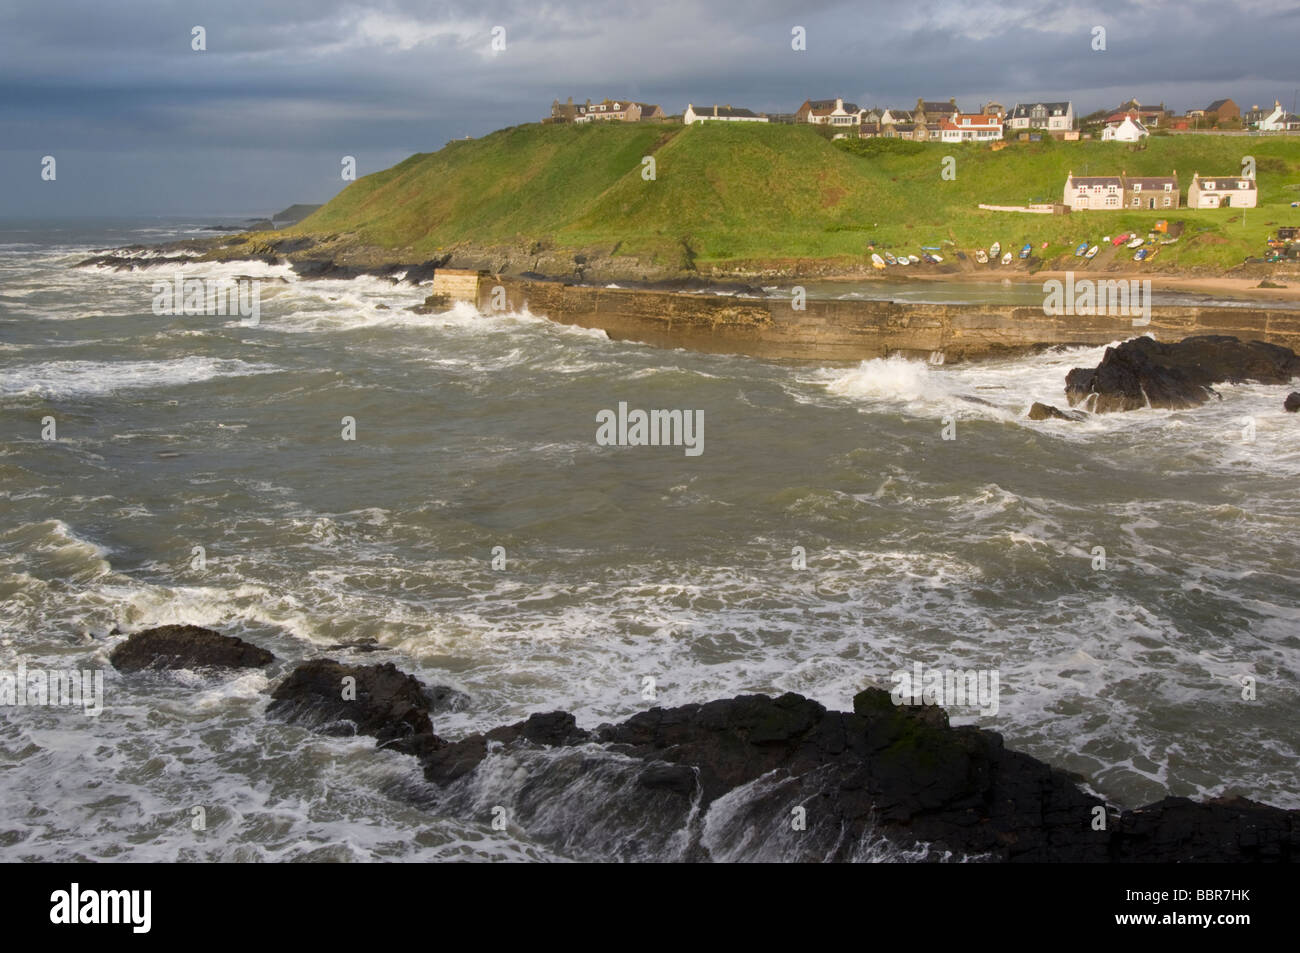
140, 123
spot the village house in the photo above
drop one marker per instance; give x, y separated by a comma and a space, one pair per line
1054, 117
567, 112
1093, 192
614, 110
1221, 192
717, 113
992, 108
968, 127
869, 130
928, 112
1276, 119
1123, 127
1223, 108
1149, 116
1151, 192
829, 112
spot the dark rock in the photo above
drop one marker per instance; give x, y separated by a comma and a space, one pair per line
388, 703
186, 646
898, 771
1143, 372
1040, 411
1292, 402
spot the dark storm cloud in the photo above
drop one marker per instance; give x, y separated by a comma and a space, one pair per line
140, 122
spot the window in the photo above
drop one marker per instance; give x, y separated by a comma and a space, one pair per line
1169, 186
1168, 201
1137, 202
1137, 186
1208, 185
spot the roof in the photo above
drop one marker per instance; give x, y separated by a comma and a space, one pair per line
723, 111
1023, 110
1147, 181
903, 114
824, 107
1220, 182
1214, 106
1094, 180
936, 107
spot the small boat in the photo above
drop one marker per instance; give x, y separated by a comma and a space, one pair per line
1168, 241
1024, 252
1092, 252
1044, 244
931, 248
1120, 239
1006, 258
913, 259
982, 256
890, 259
877, 262
1081, 250
1141, 255
902, 260
1135, 242
938, 259
994, 250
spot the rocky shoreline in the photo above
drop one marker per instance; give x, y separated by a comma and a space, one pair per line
897, 779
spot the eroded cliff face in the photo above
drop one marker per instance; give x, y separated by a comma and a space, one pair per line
848, 330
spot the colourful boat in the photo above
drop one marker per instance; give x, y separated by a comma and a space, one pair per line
1141, 255
1081, 250
913, 259
938, 259
1024, 252
994, 250
1006, 258
877, 262
1092, 252
982, 256
1136, 243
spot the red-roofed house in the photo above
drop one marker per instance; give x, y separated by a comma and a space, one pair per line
970, 127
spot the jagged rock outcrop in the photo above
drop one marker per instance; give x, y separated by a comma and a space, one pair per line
376, 700
186, 646
1174, 375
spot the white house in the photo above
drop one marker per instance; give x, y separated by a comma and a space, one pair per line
719, 114
1222, 191
1054, 117
1094, 191
1127, 128
971, 127
829, 112
1278, 120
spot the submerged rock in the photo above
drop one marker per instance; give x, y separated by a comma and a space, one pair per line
186, 646
1292, 402
380, 700
1039, 411
1144, 372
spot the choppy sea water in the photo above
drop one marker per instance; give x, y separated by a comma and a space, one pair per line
621, 563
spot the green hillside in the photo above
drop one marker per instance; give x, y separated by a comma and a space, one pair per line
751, 195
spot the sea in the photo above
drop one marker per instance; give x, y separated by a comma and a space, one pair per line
1133, 579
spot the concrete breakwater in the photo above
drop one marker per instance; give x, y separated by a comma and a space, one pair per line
845, 330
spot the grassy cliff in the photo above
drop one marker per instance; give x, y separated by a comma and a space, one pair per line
746, 197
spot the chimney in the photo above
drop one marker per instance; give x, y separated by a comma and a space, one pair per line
715, 110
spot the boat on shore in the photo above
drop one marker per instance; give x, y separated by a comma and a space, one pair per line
982, 256
1092, 252
994, 250
1006, 258
1024, 252
1136, 243
1081, 250
877, 262
890, 259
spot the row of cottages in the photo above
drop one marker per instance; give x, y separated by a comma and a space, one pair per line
718, 113
608, 110
1115, 192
